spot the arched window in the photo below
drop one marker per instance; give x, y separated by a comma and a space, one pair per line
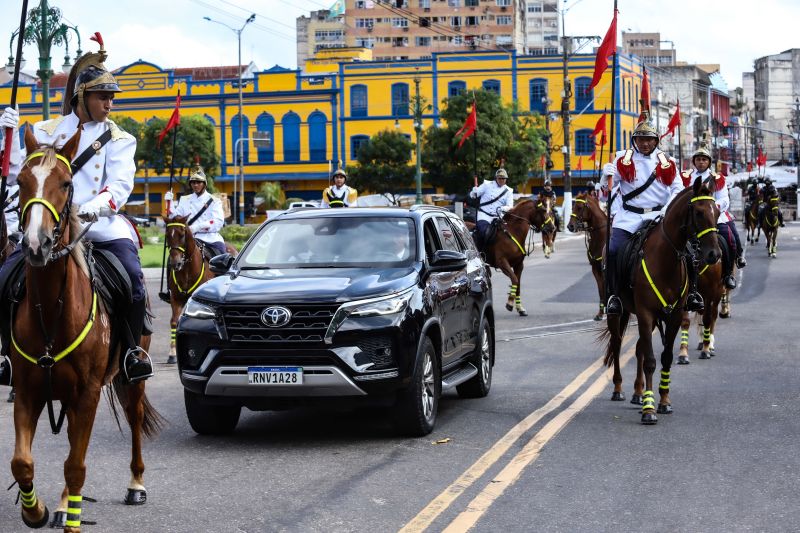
636, 100
583, 94
265, 123
358, 101
317, 136
630, 101
244, 147
492, 86
400, 99
584, 142
538, 92
454, 88
291, 137
624, 83
356, 142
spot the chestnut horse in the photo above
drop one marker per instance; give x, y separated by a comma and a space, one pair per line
549, 230
751, 221
769, 225
712, 289
188, 269
589, 217
508, 251
61, 340
656, 293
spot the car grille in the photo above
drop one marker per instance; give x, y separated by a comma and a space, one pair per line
306, 327
376, 350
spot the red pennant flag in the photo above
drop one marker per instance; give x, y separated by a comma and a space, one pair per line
645, 98
470, 125
593, 157
761, 160
606, 49
674, 122
173, 121
542, 161
579, 166
600, 129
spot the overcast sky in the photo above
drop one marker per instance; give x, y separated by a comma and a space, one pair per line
172, 33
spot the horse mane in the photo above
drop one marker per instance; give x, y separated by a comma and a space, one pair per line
79, 251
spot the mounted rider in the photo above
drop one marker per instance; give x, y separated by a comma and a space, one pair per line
494, 199
102, 180
751, 195
339, 194
701, 160
204, 212
550, 193
646, 181
771, 199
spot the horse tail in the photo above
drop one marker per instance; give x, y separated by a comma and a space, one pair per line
604, 336
614, 330
152, 421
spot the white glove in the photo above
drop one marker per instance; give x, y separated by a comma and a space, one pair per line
196, 228
609, 169
504, 208
474, 191
168, 196
9, 118
96, 207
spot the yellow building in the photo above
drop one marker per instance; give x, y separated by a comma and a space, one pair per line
317, 119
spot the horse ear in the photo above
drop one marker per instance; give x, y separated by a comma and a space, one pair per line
31, 144
71, 147
698, 182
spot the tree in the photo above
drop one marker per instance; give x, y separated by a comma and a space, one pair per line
195, 145
134, 128
504, 135
383, 165
272, 194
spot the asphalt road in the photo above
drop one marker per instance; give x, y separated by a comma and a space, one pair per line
545, 451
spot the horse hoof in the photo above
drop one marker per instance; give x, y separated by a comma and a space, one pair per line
649, 418
509, 307
700, 345
59, 520
636, 399
683, 359
704, 355
598, 317
618, 397
136, 497
724, 315
522, 312
39, 523
171, 360
664, 409
11, 396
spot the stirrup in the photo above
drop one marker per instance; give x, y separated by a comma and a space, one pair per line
614, 305
164, 296
694, 302
135, 352
6, 372
730, 282
741, 262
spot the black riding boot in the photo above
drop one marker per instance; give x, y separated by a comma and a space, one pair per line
614, 304
5, 372
135, 363
694, 302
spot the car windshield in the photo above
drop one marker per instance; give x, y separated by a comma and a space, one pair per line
323, 242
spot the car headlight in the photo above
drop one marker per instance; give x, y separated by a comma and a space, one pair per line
388, 305
194, 309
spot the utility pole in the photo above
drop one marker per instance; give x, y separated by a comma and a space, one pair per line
418, 131
566, 94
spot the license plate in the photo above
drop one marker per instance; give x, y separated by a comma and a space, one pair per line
275, 375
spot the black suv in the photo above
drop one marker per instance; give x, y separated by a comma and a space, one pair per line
388, 304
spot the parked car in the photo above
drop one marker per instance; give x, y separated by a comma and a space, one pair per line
385, 305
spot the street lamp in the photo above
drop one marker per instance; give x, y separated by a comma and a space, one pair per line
418, 130
45, 29
239, 154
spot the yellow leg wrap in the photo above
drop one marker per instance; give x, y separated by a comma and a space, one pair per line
28, 499
518, 300
648, 402
74, 504
664, 384
172, 334
706, 334
512, 291
684, 336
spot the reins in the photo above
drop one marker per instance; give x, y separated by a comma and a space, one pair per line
529, 234
188, 259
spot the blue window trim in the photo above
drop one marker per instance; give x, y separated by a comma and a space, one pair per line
400, 100
456, 87
317, 136
536, 103
235, 135
355, 92
291, 137
266, 122
355, 142
583, 100
492, 85
584, 142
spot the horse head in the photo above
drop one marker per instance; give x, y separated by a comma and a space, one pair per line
45, 194
544, 205
179, 241
700, 219
581, 217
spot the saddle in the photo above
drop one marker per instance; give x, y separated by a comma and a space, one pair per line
630, 256
727, 254
489, 235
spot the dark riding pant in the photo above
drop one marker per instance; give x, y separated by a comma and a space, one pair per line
619, 237
217, 247
728, 230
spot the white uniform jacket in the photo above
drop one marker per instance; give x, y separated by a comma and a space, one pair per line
107, 177
490, 190
347, 195
657, 194
206, 228
721, 196
11, 210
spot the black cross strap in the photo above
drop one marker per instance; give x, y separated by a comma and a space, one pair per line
90, 151
203, 210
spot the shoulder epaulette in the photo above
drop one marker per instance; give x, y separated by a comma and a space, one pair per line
118, 133
50, 126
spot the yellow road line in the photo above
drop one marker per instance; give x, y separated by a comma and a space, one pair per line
426, 517
509, 475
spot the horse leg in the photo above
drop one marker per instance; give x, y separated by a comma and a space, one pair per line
506, 269
616, 326
177, 308
80, 421
725, 304
712, 322
518, 299
598, 278
135, 410
699, 323
645, 368
683, 354
26, 414
664, 403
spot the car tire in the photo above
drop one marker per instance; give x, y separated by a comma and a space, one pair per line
416, 407
483, 359
209, 419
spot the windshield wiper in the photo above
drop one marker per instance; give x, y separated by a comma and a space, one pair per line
254, 268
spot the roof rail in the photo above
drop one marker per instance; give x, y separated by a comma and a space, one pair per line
417, 207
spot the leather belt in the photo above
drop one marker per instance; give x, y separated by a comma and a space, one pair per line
641, 210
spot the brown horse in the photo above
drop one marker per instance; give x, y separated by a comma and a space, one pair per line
61, 340
188, 269
656, 293
769, 224
588, 216
508, 251
751, 221
549, 230
712, 289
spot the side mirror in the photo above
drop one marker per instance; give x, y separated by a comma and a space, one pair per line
220, 264
447, 261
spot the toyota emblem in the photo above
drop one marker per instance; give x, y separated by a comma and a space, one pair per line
275, 316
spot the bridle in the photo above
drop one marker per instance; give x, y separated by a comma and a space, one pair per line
186, 258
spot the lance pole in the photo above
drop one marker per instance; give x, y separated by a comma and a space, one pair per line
164, 295
611, 152
9, 133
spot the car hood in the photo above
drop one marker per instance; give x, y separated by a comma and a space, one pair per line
308, 285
